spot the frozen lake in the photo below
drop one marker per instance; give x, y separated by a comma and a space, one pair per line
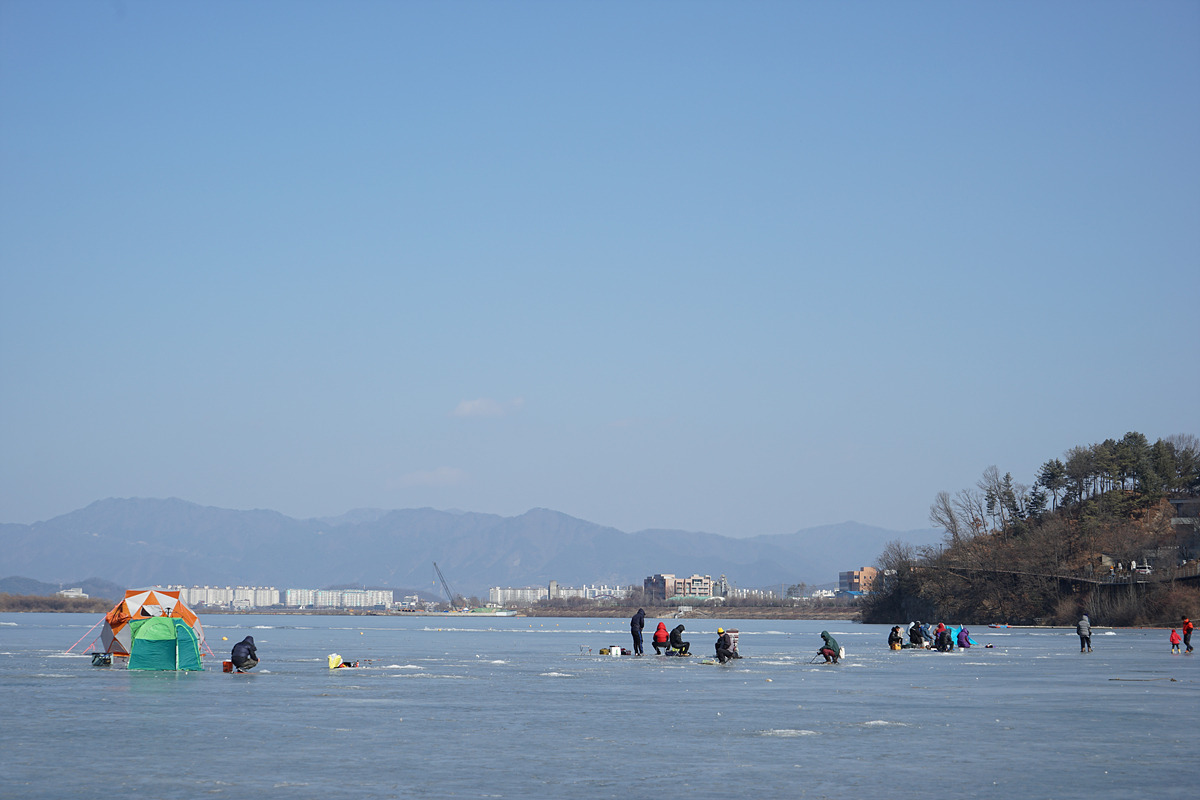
516, 707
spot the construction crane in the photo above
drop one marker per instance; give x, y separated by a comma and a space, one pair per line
445, 586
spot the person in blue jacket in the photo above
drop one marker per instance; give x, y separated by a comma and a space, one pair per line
635, 627
244, 655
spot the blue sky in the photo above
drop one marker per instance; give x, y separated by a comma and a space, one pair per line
744, 268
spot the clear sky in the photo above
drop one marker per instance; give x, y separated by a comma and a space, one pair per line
736, 267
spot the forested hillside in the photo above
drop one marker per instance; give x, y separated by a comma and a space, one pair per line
1063, 545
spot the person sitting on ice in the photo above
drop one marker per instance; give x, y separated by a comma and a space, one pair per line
244, 655
829, 648
964, 639
660, 639
678, 645
916, 636
895, 640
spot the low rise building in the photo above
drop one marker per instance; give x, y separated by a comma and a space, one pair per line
666, 585
756, 594
859, 580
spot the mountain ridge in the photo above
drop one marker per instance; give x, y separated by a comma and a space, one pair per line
141, 541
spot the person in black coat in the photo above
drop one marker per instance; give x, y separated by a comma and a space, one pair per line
724, 646
635, 627
677, 642
916, 635
244, 655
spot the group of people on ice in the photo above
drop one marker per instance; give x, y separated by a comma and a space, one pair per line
672, 643
942, 639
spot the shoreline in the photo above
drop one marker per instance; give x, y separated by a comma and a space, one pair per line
751, 612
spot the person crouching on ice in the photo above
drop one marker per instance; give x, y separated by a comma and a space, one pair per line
724, 646
829, 648
244, 655
895, 640
660, 639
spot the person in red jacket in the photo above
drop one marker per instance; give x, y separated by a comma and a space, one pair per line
1175, 640
660, 639
1187, 633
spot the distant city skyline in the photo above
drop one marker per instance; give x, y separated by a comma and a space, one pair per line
726, 268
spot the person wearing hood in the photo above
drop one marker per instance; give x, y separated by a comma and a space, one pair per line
724, 646
964, 639
677, 642
636, 623
829, 648
244, 655
942, 640
660, 639
1084, 629
895, 640
916, 637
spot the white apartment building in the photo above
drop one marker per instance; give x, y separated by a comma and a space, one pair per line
525, 596
295, 598
236, 597
338, 598
528, 595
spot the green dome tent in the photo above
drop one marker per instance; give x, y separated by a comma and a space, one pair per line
163, 643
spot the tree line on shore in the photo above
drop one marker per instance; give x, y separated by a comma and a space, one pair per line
1047, 552
29, 602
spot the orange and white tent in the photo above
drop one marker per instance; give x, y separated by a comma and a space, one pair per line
140, 604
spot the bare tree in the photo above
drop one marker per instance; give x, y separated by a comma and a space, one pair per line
943, 514
971, 511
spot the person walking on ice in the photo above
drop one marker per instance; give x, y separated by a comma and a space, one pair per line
1187, 633
1175, 640
1084, 629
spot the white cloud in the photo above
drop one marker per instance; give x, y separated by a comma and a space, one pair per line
487, 407
442, 476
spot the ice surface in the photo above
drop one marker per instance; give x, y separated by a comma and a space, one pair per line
1031, 717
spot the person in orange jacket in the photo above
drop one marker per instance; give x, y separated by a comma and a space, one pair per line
1187, 633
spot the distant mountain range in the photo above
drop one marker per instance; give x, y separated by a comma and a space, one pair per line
139, 542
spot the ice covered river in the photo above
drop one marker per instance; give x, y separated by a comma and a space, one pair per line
518, 707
